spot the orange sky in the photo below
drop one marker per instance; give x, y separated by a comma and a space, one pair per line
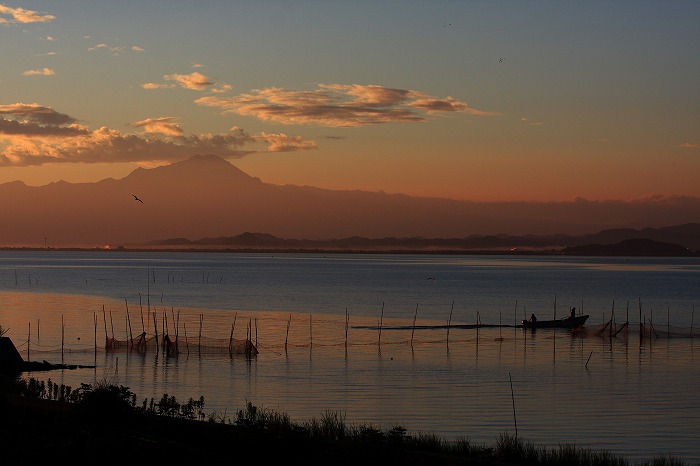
483, 101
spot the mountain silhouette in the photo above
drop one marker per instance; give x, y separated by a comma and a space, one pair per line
208, 197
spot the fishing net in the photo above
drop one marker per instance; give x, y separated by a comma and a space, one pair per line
179, 345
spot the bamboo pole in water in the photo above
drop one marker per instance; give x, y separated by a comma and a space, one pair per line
311, 334
641, 322
128, 321
143, 326
94, 321
187, 346
413, 330
104, 319
449, 321
63, 329
177, 333
155, 331
347, 321
381, 319
512, 397
29, 334
199, 339
286, 337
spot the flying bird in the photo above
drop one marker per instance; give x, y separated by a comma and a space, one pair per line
137, 199
500, 60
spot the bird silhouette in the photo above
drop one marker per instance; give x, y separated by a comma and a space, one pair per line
137, 199
500, 60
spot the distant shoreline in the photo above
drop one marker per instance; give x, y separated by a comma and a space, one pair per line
476, 252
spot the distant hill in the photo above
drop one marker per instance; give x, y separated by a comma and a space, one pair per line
630, 247
678, 240
207, 197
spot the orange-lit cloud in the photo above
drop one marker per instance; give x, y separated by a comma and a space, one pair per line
163, 125
283, 143
338, 105
39, 72
688, 145
31, 134
157, 86
20, 15
195, 81
34, 114
111, 49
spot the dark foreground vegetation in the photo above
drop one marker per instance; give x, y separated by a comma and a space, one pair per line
43, 422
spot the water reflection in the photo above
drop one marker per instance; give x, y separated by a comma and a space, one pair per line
593, 391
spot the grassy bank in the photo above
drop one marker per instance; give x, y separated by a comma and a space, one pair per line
45, 421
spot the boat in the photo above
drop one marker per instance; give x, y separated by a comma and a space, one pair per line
567, 323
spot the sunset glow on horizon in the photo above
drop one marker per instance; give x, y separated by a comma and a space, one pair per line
469, 100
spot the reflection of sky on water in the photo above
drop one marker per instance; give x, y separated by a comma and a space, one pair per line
616, 394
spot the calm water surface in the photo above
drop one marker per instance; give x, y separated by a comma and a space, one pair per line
636, 398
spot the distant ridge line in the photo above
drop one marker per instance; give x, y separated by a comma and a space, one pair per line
674, 240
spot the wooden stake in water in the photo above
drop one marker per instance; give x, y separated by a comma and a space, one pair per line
199, 339
286, 338
512, 397
381, 319
414, 324
449, 321
94, 320
347, 322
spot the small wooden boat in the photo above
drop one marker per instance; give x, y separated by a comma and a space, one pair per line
567, 323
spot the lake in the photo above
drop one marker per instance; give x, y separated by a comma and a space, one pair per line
383, 339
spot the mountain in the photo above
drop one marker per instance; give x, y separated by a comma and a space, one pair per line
629, 247
208, 197
676, 240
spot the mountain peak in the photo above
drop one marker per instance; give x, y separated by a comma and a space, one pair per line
209, 167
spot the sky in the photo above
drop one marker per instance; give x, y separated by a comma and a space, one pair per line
471, 100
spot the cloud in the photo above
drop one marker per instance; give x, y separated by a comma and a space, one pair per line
136, 48
163, 125
157, 86
111, 49
40, 72
35, 113
20, 15
283, 143
688, 145
531, 123
338, 105
31, 134
195, 81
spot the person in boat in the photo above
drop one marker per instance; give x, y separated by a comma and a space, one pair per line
533, 319
573, 313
